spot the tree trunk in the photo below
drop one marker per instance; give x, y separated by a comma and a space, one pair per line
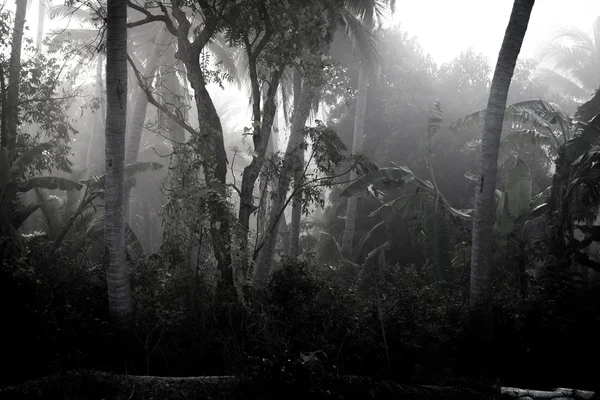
260, 139
214, 165
481, 252
40, 28
290, 165
9, 137
93, 159
264, 179
139, 111
357, 148
117, 274
293, 239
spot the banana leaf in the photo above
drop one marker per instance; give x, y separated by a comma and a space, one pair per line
47, 182
518, 189
392, 175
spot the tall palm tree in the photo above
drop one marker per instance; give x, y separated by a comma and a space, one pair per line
371, 19
117, 276
574, 58
484, 212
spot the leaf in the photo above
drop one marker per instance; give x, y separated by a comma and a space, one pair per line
512, 143
133, 242
21, 215
541, 197
399, 204
588, 110
434, 119
21, 163
466, 213
535, 212
130, 171
518, 188
436, 244
504, 221
392, 176
587, 136
538, 114
471, 176
366, 237
48, 182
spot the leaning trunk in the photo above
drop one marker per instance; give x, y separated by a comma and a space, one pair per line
214, 165
9, 137
483, 220
357, 147
117, 274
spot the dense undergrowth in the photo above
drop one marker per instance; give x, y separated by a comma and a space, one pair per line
324, 319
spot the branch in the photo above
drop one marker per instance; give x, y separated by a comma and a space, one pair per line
149, 95
149, 16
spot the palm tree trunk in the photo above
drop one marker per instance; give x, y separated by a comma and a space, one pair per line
357, 148
117, 274
290, 166
481, 252
9, 137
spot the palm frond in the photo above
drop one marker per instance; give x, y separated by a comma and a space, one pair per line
64, 11
363, 42
561, 83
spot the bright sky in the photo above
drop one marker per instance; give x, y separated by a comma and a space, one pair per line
446, 27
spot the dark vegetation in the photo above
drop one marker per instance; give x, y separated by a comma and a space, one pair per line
395, 310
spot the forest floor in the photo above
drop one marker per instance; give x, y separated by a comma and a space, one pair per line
95, 385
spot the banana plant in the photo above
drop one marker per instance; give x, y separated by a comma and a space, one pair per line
527, 123
516, 203
419, 194
13, 182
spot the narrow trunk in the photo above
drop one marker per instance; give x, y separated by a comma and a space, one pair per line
117, 274
139, 111
357, 148
293, 235
290, 165
40, 28
260, 140
481, 252
264, 180
14, 77
93, 160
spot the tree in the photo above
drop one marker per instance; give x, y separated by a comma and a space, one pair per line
368, 15
484, 212
343, 17
575, 62
117, 275
9, 135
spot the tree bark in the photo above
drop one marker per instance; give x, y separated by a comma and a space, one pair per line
481, 252
357, 147
9, 137
117, 274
